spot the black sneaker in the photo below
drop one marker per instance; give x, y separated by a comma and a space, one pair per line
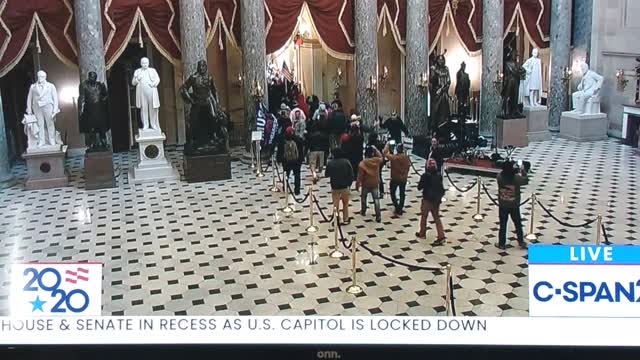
439, 242
523, 245
378, 218
363, 213
501, 247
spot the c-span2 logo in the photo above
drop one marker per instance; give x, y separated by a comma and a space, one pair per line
49, 289
584, 281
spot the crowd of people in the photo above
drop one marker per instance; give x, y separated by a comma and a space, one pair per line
352, 154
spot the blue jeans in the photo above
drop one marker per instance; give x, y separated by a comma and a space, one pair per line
363, 200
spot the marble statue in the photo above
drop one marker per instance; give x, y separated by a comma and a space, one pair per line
93, 112
585, 100
146, 81
532, 84
39, 121
513, 73
440, 82
463, 85
207, 122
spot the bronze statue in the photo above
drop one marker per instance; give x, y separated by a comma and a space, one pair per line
93, 112
440, 82
463, 84
513, 73
207, 131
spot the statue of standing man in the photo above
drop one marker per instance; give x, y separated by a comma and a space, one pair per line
532, 88
146, 81
94, 112
42, 103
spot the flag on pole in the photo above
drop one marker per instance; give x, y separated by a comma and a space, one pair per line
286, 73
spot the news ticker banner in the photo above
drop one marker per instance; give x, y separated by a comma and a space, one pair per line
584, 281
56, 289
319, 330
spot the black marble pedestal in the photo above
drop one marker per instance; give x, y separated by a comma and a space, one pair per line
206, 167
98, 170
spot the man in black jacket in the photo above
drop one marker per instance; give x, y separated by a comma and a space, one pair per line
341, 177
337, 123
396, 127
291, 156
318, 137
432, 192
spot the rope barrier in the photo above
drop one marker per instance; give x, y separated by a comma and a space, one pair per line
413, 167
606, 237
587, 223
456, 187
453, 299
397, 262
324, 216
294, 195
486, 191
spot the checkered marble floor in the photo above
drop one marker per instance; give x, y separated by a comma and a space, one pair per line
175, 248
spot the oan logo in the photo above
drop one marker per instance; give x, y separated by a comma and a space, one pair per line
46, 289
328, 355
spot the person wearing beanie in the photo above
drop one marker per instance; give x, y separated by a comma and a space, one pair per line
400, 165
353, 147
341, 177
509, 182
432, 193
290, 154
395, 126
368, 180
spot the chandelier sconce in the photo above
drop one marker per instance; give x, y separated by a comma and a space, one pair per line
372, 84
384, 76
423, 82
567, 74
498, 81
337, 80
239, 81
257, 92
620, 80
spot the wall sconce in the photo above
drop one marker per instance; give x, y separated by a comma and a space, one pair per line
239, 81
372, 84
337, 80
567, 74
423, 82
384, 76
257, 92
498, 81
622, 82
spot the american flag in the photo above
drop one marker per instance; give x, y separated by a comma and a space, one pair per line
286, 73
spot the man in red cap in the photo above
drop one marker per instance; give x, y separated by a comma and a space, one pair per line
432, 192
291, 156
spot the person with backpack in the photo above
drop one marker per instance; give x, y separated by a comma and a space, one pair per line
318, 145
509, 183
400, 165
291, 156
341, 177
368, 180
432, 192
374, 140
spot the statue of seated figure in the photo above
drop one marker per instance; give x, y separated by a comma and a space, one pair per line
586, 100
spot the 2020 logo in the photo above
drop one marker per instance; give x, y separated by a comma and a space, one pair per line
64, 299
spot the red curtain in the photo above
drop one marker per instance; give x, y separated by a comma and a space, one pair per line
221, 15
333, 19
468, 22
398, 14
56, 28
536, 15
159, 18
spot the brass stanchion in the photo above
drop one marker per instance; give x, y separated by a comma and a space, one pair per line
287, 208
478, 215
253, 165
447, 289
532, 235
336, 253
311, 228
274, 174
354, 288
259, 160
598, 229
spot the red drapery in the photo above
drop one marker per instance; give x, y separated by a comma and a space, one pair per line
536, 16
159, 19
220, 18
332, 19
395, 13
52, 19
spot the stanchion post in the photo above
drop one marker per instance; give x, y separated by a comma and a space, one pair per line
532, 234
274, 187
598, 229
447, 289
478, 215
312, 228
336, 253
259, 160
354, 288
287, 208
253, 165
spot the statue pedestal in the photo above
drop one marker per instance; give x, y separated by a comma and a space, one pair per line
45, 169
199, 168
583, 127
537, 123
153, 165
98, 170
511, 132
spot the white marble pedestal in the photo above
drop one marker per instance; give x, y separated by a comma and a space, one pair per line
582, 127
45, 168
153, 165
537, 123
511, 132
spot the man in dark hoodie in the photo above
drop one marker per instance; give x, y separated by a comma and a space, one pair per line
341, 177
369, 180
291, 156
337, 123
509, 183
432, 192
318, 145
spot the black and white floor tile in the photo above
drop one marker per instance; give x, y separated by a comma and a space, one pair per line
175, 248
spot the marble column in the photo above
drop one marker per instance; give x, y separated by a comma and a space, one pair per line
558, 100
6, 179
582, 27
417, 61
366, 39
254, 59
90, 42
192, 36
492, 49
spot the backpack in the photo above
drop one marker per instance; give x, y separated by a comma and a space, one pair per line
290, 151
